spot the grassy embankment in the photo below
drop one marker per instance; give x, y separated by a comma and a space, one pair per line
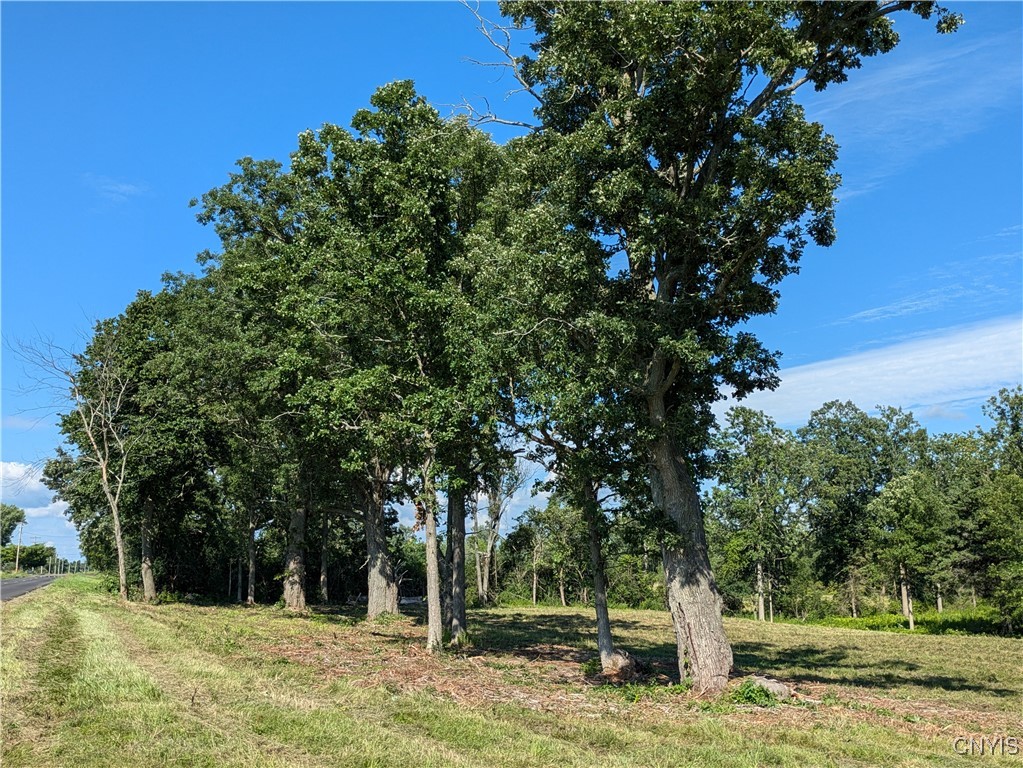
88, 682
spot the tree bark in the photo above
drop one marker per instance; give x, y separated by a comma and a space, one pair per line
122, 571
456, 539
478, 559
941, 605
561, 587
907, 599
324, 550
434, 618
251, 599
760, 591
904, 590
605, 643
692, 594
493, 529
294, 561
148, 583
536, 580
382, 589
852, 592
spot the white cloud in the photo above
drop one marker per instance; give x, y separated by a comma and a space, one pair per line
54, 509
21, 484
958, 366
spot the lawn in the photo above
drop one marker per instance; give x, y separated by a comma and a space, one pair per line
89, 682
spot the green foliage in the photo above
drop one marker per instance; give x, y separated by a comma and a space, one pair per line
750, 692
31, 556
11, 517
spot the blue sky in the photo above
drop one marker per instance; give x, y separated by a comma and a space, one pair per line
115, 115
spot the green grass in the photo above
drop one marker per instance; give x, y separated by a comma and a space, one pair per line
87, 681
978, 621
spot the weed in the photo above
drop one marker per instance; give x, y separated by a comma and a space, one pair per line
749, 692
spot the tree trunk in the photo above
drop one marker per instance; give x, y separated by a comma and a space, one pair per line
692, 594
561, 587
382, 589
973, 596
148, 583
324, 551
445, 584
456, 540
941, 606
493, 530
294, 561
605, 644
693, 599
760, 591
477, 555
770, 599
122, 571
434, 618
251, 600
478, 558
904, 590
536, 580
852, 592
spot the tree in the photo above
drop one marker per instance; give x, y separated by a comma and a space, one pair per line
349, 261
11, 517
501, 489
101, 427
28, 556
755, 497
850, 456
913, 533
685, 154
1001, 503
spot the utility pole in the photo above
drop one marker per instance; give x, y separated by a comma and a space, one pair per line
17, 552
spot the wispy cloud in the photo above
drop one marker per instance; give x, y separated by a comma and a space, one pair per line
1014, 232
26, 424
887, 116
114, 190
949, 369
980, 285
924, 301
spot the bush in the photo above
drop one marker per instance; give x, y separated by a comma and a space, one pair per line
752, 693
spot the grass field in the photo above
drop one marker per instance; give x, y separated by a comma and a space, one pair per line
88, 682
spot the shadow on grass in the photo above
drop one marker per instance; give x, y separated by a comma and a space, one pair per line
834, 665
566, 637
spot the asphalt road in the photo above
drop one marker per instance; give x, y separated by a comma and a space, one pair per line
14, 587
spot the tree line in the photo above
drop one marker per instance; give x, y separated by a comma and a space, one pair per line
406, 305
851, 514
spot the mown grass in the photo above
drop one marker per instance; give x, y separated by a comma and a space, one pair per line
90, 682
